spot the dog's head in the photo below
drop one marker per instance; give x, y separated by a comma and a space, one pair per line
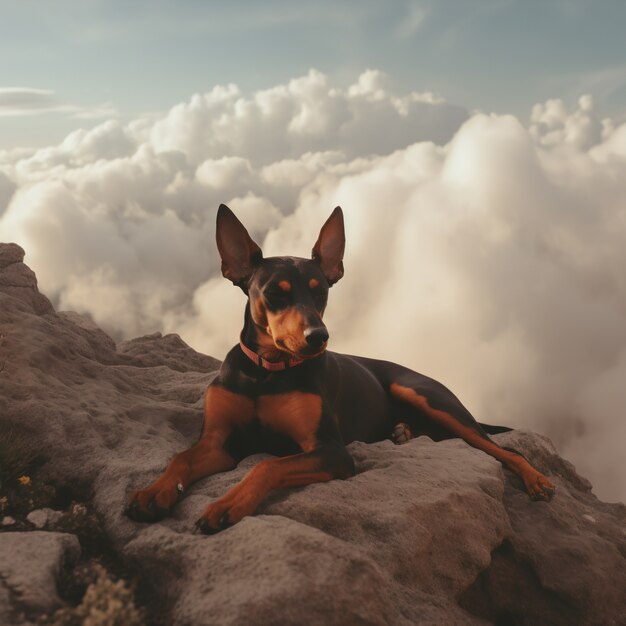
287, 295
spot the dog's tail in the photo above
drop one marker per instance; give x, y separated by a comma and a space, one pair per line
495, 430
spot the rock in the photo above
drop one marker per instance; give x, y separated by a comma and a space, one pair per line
41, 518
87, 324
19, 281
571, 571
169, 350
7, 520
30, 564
372, 549
10, 253
425, 533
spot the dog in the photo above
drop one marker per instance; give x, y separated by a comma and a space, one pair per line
280, 391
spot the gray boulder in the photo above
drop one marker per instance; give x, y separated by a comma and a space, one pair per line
30, 565
425, 533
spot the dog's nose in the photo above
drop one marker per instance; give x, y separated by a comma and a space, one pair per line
315, 337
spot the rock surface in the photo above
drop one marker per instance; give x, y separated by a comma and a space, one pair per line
30, 565
425, 533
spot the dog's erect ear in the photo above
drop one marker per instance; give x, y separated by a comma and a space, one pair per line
329, 247
239, 253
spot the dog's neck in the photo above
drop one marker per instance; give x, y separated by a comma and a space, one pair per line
259, 341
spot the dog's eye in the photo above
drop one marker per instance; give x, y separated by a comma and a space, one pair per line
277, 298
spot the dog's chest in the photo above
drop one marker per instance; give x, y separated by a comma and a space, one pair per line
295, 414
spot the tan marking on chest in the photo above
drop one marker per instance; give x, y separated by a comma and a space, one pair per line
223, 410
295, 414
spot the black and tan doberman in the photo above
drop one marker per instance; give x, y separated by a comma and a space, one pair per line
280, 391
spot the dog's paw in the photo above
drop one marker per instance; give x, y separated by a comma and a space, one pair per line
154, 503
401, 433
539, 487
231, 508
204, 526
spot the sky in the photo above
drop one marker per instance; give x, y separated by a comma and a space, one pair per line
478, 150
95, 59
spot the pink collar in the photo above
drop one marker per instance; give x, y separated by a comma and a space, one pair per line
272, 366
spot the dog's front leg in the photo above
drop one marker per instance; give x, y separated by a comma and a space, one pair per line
328, 461
222, 409
156, 501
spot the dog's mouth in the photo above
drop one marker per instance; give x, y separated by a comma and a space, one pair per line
303, 354
311, 355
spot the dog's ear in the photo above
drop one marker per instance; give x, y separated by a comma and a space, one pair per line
240, 254
330, 245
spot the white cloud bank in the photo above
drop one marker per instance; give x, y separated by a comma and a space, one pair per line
484, 253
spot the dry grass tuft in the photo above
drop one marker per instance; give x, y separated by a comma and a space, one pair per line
105, 603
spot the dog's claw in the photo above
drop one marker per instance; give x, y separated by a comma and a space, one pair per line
540, 489
152, 513
545, 495
203, 526
131, 509
206, 529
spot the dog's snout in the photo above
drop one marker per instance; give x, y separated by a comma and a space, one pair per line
316, 337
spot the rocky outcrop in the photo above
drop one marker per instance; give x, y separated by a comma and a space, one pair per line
425, 533
18, 280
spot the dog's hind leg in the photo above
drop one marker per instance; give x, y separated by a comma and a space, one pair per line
433, 401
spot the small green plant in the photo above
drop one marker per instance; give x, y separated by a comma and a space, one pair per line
105, 603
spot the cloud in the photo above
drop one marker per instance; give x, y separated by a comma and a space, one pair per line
484, 253
21, 101
7, 189
304, 115
551, 124
16, 100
